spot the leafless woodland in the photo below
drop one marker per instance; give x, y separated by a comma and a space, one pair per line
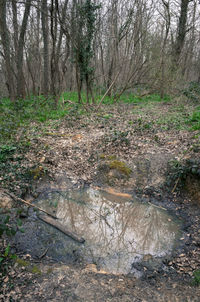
125, 46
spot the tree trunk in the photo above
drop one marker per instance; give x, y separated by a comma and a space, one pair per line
163, 55
5, 40
181, 31
15, 25
20, 52
46, 47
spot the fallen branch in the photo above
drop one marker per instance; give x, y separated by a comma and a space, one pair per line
68, 101
176, 183
44, 253
159, 207
56, 224
109, 88
29, 204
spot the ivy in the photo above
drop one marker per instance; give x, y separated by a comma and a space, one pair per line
85, 27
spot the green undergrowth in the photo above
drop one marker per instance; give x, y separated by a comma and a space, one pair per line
151, 98
12, 173
131, 98
194, 119
8, 228
22, 112
196, 278
41, 109
192, 91
46, 111
176, 120
178, 171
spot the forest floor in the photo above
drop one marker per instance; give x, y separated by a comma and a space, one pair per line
151, 140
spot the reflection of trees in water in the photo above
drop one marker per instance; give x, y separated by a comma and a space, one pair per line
116, 226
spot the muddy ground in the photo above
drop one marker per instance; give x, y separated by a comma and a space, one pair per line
85, 151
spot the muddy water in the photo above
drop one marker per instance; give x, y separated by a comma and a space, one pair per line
118, 231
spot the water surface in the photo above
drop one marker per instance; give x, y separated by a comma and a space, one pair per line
118, 231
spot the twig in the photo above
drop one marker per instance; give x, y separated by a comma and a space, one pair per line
68, 101
109, 88
176, 183
30, 204
159, 207
56, 224
44, 253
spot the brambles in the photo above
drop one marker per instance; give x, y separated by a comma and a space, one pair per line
195, 119
118, 138
6, 152
192, 91
180, 171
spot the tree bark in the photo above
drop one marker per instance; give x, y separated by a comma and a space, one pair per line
20, 52
182, 29
46, 47
6, 49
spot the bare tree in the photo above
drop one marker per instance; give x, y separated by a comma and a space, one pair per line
51, 46
181, 31
45, 33
20, 52
5, 38
167, 19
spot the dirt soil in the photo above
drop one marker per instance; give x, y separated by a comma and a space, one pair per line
71, 153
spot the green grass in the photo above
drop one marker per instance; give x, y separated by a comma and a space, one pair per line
194, 119
35, 109
196, 278
134, 99
152, 98
40, 109
175, 120
44, 110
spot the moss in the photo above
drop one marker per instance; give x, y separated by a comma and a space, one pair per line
120, 166
109, 157
35, 270
37, 172
112, 157
49, 271
22, 262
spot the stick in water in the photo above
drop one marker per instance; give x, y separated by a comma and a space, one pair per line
30, 204
56, 224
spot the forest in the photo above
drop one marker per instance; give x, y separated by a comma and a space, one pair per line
100, 150
50, 47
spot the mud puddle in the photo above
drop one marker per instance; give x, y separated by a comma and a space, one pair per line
119, 231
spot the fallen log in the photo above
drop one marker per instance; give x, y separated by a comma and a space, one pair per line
56, 224
29, 204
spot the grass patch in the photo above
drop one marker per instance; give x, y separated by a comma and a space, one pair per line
35, 109
194, 119
152, 98
196, 278
176, 120
40, 109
